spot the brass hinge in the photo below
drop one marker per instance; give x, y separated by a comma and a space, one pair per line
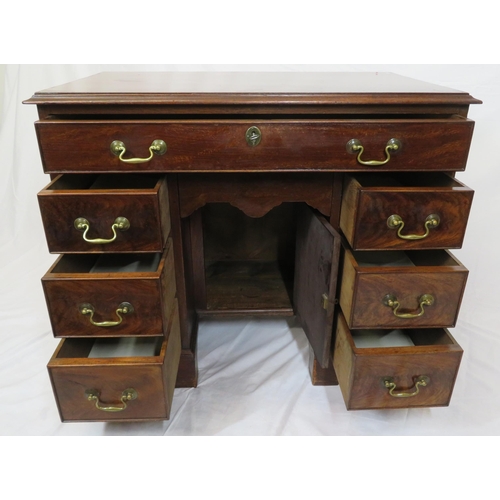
324, 297
325, 301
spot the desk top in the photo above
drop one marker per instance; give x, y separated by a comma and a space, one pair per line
249, 88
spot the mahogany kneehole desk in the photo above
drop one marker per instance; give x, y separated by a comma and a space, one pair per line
176, 196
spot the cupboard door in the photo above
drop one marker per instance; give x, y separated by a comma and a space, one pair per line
316, 269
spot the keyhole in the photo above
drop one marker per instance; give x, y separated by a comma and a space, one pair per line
253, 136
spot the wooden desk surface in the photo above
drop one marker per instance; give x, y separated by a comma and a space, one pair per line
250, 88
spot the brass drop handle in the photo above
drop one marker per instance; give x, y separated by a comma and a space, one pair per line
127, 395
388, 383
158, 147
123, 308
391, 301
354, 146
431, 222
82, 224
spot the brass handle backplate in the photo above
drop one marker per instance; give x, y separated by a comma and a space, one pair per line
123, 308
158, 147
391, 301
127, 395
82, 224
431, 222
388, 383
354, 146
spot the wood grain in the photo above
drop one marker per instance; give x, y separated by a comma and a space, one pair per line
367, 204
230, 235
255, 194
151, 294
228, 204
316, 267
268, 92
319, 375
248, 286
360, 370
219, 145
183, 273
70, 197
152, 377
363, 290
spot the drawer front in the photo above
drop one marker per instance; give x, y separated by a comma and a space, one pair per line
421, 296
82, 304
391, 377
66, 204
108, 380
231, 145
405, 217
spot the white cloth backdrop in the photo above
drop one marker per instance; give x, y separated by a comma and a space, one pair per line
253, 376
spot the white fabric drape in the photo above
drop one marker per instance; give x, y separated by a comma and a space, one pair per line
253, 376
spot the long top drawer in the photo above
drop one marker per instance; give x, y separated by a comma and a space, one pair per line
71, 146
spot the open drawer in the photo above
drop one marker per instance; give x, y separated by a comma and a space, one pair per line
398, 211
111, 295
396, 289
395, 368
116, 379
105, 213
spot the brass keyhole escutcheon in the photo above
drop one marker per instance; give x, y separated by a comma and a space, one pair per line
253, 136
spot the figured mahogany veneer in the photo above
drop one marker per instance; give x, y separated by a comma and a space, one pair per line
220, 145
369, 276
70, 282
72, 373
142, 199
361, 371
370, 199
291, 222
